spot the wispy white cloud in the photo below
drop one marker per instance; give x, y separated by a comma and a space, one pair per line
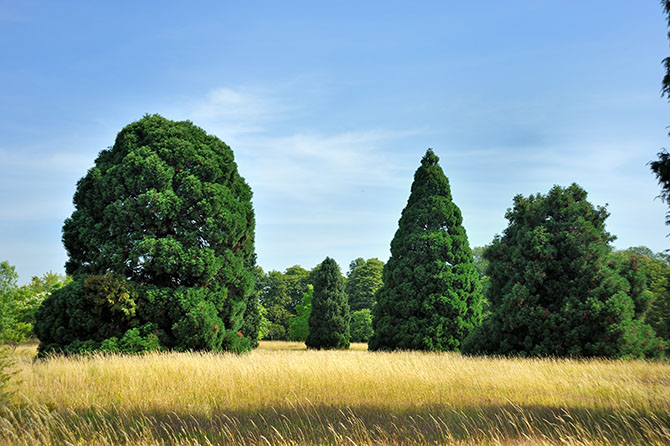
315, 192
233, 112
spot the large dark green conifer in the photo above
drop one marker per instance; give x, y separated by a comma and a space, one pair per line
431, 298
161, 243
329, 320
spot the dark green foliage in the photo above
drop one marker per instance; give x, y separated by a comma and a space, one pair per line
276, 332
661, 167
656, 270
9, 307
482, 265
329, 320
252, 320
361, 325
431, 297
363, 281
162, 236
554, 290
255, 322
299, 327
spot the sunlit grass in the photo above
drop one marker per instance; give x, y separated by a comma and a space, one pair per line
285, 394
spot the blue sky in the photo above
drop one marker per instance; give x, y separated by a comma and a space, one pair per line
329, 107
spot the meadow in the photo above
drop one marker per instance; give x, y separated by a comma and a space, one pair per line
283, 394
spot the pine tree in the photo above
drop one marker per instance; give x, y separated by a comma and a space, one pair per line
329, 320
554, 289
430, 299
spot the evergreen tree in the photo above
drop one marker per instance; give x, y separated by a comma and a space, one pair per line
363, 281
430, 299
553, 288
161, 242
329, 320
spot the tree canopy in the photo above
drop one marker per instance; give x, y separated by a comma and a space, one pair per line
280, 293
299, 324
430, 299
363, 281
554, 290
161, 243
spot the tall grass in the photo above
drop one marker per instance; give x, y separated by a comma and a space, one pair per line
6, 373
282, 394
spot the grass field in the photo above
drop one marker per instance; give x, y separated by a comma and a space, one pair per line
283, 394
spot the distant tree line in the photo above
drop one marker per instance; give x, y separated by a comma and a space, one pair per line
286, 299
18, 304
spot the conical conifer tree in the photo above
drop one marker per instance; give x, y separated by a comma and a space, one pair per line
431, 297
329, 320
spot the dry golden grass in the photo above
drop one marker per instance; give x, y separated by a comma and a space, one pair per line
283, 394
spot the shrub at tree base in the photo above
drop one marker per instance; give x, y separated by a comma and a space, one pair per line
161, 248
552, 290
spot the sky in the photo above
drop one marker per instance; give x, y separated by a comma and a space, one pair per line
329, 107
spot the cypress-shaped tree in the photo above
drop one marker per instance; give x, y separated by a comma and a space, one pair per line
329, 320
554, 288
430, 299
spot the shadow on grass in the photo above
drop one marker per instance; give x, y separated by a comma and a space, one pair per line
309, 424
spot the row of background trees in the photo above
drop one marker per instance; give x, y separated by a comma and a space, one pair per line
285, 297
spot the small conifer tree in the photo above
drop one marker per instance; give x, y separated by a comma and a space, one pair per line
430, 299
329, 320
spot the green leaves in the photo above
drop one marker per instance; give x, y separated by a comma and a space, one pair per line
431, 297
361, 325
363, 281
